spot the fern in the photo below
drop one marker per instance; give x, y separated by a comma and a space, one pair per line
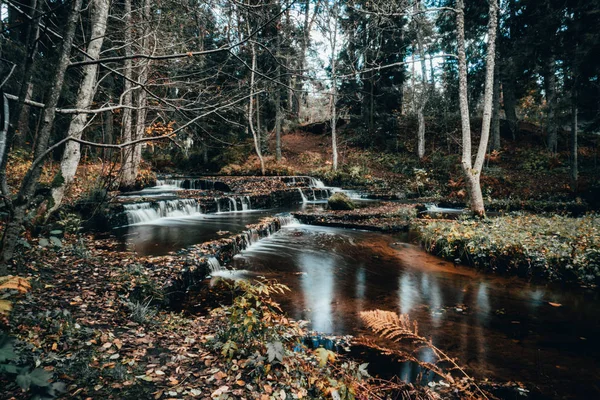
10, 282
399, 328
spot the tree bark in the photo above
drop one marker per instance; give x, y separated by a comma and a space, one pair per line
471, 171
574, 145
550, 86
423, 97
142, 95
334, 149
251, 110
278, 113
30, 181
85, 96
495, 142
127, 174
26, 89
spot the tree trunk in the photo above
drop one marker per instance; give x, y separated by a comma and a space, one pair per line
23, 125
473, 171
30, 181
495, 143
26, 89
127, 176
334, 149
574, 145
251, 110
424, 92
550, 86
278, 113
142, 95
85, 96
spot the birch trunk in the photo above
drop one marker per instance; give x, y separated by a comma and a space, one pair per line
127, 177
495, 143
473, 171
251, 111
30, 181
278, 113
334, 149
423, 97
142, 95
85, 96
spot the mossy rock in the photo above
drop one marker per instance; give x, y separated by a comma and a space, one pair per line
339, 201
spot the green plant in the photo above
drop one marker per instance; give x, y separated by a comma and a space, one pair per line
253, 320
141, 312
36, 380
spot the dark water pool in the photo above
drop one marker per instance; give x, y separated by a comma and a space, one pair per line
505, 329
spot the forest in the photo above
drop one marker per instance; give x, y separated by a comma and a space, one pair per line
298, 199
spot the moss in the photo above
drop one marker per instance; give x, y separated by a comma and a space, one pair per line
59, 180
557, 248
339, 201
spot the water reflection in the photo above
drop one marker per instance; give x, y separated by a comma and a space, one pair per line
500, 328
317, 287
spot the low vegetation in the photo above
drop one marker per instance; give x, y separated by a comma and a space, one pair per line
558, 247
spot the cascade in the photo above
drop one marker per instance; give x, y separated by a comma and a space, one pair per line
287, 219
314, 182
304, 199
245, 203
232, 204
214, 265
146, 212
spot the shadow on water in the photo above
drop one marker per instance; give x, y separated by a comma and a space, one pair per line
505, 329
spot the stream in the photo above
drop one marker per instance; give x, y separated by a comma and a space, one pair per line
505, 329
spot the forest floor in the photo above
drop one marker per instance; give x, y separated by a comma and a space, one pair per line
83, 330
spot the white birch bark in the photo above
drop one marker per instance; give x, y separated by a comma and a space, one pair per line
85, 96
472, 170
127, 175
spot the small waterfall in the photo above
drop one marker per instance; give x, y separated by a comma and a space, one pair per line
170, 182
304, 199
146, 212
287, 219
232, 204
314, 182
214, 265
245, 203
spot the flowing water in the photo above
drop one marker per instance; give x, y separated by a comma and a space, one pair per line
500, 328
505, 329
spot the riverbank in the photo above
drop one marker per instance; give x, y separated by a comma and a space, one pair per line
557, 248
93, 325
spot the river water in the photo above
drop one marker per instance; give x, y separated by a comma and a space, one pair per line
500, 328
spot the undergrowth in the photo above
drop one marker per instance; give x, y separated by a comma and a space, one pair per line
557, 248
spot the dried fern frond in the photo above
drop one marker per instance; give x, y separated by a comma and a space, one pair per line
15, 283
392, 326
398, 328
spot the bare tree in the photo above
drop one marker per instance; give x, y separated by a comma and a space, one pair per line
72, 153
19, 206
472, 171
